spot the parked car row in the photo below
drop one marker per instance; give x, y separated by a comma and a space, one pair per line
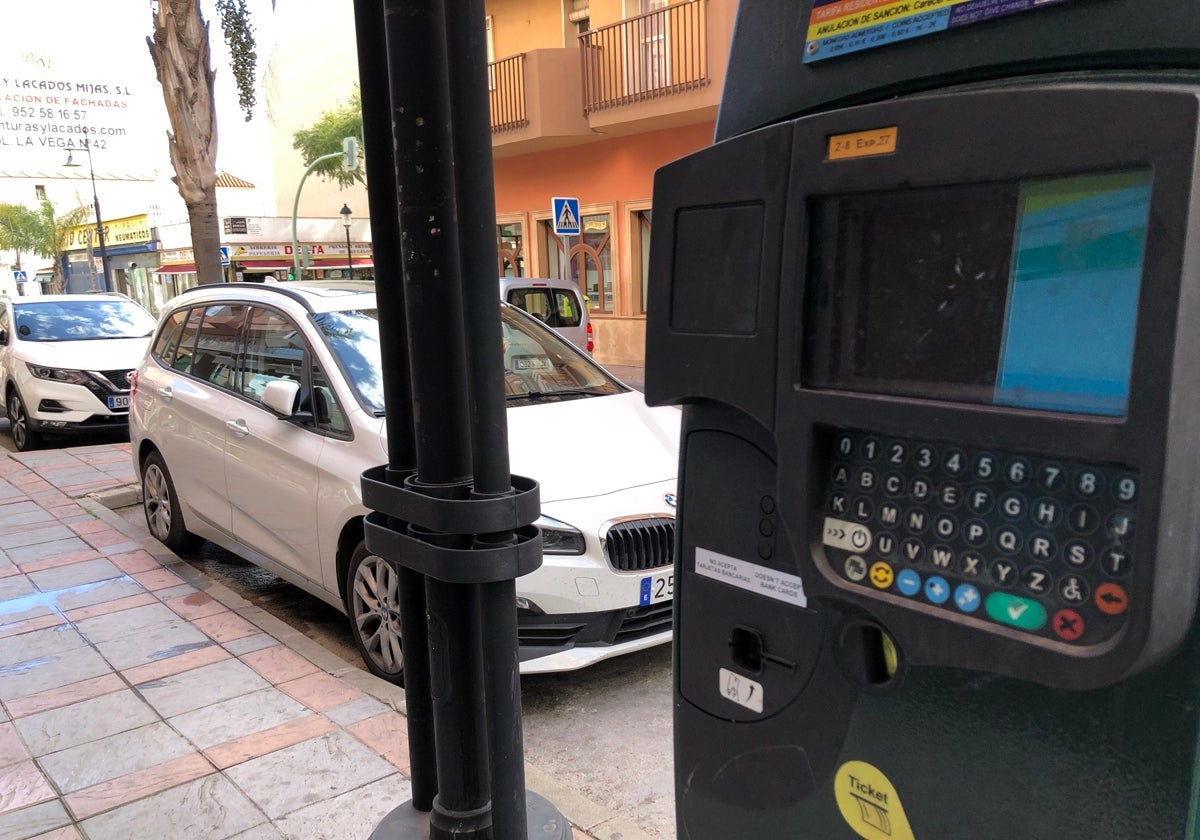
253, 410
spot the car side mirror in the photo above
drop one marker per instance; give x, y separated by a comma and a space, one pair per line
3, 337
280, 395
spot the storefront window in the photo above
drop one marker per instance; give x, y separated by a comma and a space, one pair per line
586, 259
510, 247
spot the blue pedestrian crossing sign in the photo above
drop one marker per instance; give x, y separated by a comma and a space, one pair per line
224, 255
20, 277
566, 216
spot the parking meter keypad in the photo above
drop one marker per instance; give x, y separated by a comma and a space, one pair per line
1038, 545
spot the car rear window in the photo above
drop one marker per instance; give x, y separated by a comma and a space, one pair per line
554, 307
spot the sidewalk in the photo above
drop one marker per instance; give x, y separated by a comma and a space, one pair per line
140, 699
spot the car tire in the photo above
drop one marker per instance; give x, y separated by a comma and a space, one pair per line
161, 506
373, 605
23, 436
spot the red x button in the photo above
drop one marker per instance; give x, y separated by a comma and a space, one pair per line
1068, 624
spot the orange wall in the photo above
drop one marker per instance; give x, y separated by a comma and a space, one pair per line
617, 169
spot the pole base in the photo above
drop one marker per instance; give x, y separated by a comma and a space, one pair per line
543, 820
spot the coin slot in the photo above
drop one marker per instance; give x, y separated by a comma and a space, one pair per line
870, 656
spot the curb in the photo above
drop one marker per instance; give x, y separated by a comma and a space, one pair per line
580, 811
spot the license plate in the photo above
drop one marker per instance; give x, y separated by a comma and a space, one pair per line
118, 402
657, 588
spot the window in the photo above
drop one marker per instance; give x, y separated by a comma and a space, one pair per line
216, 355
586, 259
166, 346
639, 233
180, 358
328, 415
510, 247
274, 350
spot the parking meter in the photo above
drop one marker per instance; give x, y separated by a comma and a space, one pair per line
939, 357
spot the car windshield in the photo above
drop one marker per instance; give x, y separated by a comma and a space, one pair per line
539, 366
85, 319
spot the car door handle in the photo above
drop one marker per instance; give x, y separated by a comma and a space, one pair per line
165, 392
238, 427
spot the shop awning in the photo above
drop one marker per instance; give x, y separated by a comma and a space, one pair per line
263, 265
185, 268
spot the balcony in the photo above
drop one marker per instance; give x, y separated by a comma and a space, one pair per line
659, 69
535, 102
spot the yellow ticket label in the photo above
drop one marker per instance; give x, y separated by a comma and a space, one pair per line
869, 802
877, 141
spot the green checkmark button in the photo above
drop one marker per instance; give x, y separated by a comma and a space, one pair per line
1015, 611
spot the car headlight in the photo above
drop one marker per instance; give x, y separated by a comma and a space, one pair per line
75, 377
559, 537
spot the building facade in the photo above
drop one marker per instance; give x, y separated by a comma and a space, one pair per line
588, 99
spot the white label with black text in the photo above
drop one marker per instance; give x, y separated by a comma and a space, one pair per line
751, 576
741, 690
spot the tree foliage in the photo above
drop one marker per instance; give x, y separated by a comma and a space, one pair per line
239, 37
325, 137
39, 232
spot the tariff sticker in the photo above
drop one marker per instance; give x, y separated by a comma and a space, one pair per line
869, 802
877, 141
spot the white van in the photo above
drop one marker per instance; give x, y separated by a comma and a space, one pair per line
557, 303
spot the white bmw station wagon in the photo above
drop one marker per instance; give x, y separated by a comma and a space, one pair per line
258, 407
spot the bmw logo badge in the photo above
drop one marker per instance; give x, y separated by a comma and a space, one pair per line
671, 499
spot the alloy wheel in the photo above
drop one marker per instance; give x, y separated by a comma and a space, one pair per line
157, 501
18, 423
375, 612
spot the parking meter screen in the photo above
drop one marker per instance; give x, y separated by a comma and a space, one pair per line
1021, 293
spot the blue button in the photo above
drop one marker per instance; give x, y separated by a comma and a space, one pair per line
966, 598
937, 590
908, 582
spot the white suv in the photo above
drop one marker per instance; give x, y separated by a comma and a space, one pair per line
258, 408
65, 362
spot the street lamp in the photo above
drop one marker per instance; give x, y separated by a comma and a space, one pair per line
96, 203
345, 211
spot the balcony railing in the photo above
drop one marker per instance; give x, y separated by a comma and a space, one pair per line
506, 80
659, 53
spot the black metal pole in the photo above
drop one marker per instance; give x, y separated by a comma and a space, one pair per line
477, 230
417, 50
99, 220
393, 338
349, 259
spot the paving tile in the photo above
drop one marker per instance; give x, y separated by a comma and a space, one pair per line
320, 691
194, 605
76, 574
106, 538
386, 734
132, 562
142, 785
353, 814
88, 720
51, 559
37, 537
33, 821
105, 759
260, 743
56, 698
356, 710
28, 553
175, 592
68, 832
278, 664
39, 645
22, 513
238, 717
15, 587
200, 687
172, 665
266, 831
104, 606
317, 769
33, 622
240, 647
209, 807
23, 785
226, 626
160, 641
12, 748
107, 628
33, 676
156, 579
